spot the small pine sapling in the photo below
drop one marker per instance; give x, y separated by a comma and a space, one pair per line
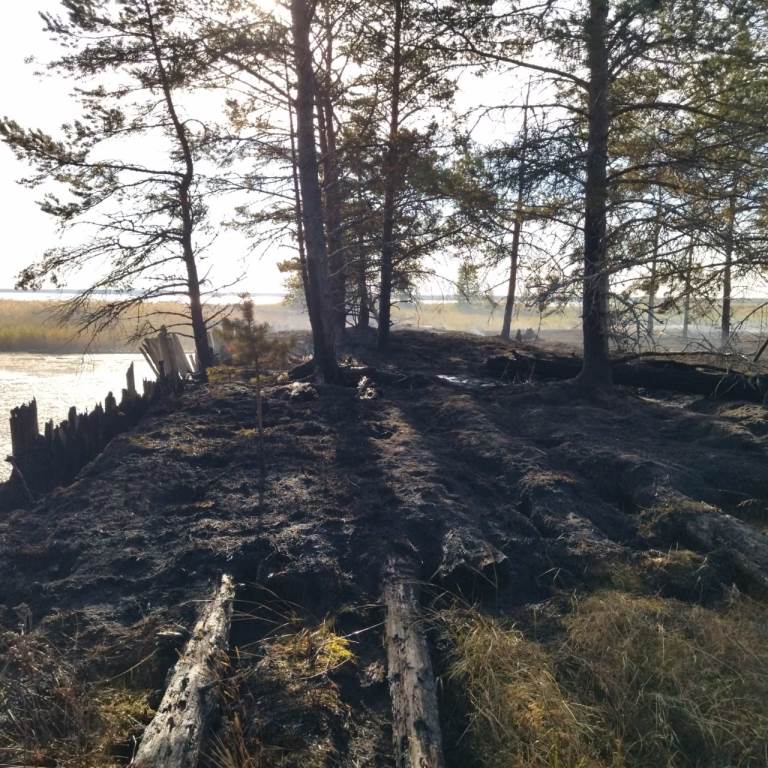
250, 344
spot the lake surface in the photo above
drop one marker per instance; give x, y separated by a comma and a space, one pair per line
59, 382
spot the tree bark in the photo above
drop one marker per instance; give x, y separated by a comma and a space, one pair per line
391, 178
311, 196
516, 231
653, 283
415, 719
687, 289
176, 736
596, 368
297, 194
725, 317
332, 190
364, 313
199, 327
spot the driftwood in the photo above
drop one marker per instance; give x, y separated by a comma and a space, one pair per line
415, 720
704, 380
176, 736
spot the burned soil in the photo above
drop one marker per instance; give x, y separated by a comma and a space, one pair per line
513, 497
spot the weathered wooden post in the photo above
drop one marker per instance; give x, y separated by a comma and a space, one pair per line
130, 380
24, 430
167, 352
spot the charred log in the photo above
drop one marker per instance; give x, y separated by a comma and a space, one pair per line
708, 530
415, 720
176, 736
706, 381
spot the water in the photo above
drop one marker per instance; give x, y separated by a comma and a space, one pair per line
225, 297
59, 382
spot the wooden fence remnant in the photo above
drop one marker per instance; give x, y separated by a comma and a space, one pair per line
176, 736
54, 458
166, 356
24, 429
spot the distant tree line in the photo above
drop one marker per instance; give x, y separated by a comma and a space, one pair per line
635, 160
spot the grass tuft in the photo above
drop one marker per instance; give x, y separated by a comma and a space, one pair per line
518, 713
632, 682
51, 716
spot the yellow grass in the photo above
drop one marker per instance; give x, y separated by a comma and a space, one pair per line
34, 326
632, 682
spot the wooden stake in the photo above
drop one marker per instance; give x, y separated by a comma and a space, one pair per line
415, 718
130, 381
175, 738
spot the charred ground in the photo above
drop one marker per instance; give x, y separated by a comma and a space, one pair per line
514, 497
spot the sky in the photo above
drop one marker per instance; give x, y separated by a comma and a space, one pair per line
41, 100
30, 100
36, 98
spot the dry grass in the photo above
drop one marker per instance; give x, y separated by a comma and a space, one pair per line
50, 716
518, 714
633, 682
35, 326
677, 684
289, 674
32, 326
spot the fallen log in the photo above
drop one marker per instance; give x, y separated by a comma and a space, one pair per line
415, 720
175, 738
673, 375
709, 530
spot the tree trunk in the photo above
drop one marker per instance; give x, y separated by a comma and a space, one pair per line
392, 174
596, 369
334, 239
199, 328
516, 231
297, 195
509, 307
725, 317
687, 288
653, 283
311, 197
364, 314
332, 189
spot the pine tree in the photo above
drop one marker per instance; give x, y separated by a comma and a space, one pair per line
135, 60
